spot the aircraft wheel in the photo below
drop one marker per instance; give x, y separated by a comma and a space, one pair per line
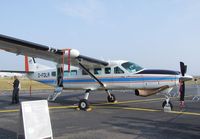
165, 103
83, 104
111, 98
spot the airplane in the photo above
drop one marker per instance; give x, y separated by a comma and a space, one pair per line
75, 71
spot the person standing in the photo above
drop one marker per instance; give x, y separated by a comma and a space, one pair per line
15, 94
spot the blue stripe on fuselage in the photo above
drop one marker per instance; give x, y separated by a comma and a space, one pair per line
137, 79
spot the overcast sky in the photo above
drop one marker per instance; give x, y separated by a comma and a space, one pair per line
151, 33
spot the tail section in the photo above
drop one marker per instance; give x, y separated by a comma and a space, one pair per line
31, 65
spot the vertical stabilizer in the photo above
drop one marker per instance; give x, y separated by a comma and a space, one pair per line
31, 65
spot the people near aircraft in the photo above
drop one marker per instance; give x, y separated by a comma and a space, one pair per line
60, 77
15, 93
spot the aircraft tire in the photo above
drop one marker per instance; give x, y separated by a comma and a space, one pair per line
83, 104
165, 102
111, 98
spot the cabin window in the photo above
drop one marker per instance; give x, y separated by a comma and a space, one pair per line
97, 71
107, 70
118, 70
84, 72
66, 73
73, 72
53, 73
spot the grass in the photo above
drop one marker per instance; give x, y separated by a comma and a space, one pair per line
193, 82
25, 84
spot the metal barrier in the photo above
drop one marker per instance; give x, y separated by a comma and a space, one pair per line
197, 94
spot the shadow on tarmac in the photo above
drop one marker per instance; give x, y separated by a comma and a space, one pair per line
144, 128
6, 134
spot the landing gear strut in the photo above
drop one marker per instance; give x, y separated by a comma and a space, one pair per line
83, 103
111, 97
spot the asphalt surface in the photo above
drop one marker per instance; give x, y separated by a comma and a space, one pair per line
132, 117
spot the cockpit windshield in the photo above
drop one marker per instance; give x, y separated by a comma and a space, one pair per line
131, 67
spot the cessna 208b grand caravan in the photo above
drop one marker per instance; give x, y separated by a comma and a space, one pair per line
91, 74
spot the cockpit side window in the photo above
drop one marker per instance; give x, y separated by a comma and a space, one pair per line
118, 70
131, 67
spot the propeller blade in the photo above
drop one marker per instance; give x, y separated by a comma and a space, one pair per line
182, 91
183, 68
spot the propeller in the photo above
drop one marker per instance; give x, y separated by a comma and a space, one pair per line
183, 69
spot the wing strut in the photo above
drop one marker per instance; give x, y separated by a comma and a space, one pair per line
92, 75
83, 104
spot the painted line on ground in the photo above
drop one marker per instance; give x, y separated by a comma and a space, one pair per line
62, 107
112, 107
129, 101
185, 113
136, 101
127, 108
51, 107
115, 107
9, 111
147, 110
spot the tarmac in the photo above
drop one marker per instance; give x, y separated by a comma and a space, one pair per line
132, 117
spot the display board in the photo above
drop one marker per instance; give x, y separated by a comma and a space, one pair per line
36, 120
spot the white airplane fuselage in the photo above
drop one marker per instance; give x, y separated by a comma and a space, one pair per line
90, 73
112, 80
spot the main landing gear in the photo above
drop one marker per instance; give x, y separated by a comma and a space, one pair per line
84, 104
111, 97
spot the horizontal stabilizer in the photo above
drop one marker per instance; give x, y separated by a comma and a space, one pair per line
15, 71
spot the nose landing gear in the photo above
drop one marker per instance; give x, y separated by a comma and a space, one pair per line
167, 105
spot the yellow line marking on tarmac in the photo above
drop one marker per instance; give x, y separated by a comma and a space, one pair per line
127, 108
185, 113
112, 107
148, 110
9, 111
62, 107
129, 101
116, 107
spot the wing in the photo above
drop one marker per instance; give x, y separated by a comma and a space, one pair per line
22, 47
